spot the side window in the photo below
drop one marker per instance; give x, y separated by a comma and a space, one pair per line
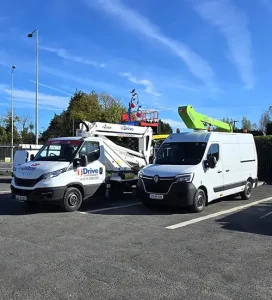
91, 149
213, 151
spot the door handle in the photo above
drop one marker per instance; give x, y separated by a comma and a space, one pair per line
227, 170
219, 171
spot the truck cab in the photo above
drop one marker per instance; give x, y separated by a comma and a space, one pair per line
65, 170
69, 170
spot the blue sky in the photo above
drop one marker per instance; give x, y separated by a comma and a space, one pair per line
214, 55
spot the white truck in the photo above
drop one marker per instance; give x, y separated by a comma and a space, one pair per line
69, 170
195, 168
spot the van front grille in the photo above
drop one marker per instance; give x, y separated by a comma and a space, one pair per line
160, 187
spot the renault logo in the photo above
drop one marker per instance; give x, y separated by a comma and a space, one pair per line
156, 178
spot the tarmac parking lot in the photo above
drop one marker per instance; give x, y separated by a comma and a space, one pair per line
122, 250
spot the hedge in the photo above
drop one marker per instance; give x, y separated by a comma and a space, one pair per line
264, 152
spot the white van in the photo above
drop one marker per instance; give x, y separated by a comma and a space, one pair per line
195, 168
23, 154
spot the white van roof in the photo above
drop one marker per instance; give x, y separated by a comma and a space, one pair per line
205, 136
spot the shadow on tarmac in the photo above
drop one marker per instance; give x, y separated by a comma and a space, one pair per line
256, 219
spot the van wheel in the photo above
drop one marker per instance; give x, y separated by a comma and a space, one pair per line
199, 201
72, 200
246, 194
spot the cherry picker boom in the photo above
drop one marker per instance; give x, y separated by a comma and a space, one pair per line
197, 121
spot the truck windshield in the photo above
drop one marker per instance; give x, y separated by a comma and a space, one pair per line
59, 150
181, 153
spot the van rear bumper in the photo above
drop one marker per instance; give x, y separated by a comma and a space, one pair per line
37, 195
180, 194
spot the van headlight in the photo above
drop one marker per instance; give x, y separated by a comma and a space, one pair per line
53, 174
184, 177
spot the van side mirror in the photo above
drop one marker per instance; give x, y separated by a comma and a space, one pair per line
211, 162
32, 156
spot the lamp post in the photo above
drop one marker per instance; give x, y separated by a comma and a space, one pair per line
12, 117
30, 35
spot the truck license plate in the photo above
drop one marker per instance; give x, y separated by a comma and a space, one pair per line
156, 196
21, 198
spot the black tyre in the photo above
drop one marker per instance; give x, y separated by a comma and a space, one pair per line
72, 200
199, 201
246, 194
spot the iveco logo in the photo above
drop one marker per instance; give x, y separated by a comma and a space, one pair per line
156, 178
25, 174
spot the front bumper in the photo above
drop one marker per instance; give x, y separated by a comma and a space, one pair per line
38, 194
179, 194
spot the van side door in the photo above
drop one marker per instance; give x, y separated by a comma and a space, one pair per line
214, 176
93, 175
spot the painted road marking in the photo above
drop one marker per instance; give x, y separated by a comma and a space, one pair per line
223, 212
4, 192
109, 208
266, 215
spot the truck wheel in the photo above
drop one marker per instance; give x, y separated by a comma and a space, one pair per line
72, 200
199, 201
246, 194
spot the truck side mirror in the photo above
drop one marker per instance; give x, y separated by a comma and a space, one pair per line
32, 156
83, 160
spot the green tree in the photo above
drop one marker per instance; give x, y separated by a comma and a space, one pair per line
111, 108
264, 120
91, 107
246, 124
165, 128
84, 106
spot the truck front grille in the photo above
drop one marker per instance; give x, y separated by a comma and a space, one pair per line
25, 182
160, 187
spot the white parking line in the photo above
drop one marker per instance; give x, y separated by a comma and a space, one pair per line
266, 215
4, 192
109, 208
223, 212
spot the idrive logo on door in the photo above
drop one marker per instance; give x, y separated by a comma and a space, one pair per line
86, 171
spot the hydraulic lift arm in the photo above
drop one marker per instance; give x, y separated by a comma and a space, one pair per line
195, 120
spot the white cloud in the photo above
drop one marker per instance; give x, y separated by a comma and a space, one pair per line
84, 81
64, 54
196, 64
174, 123
52, 88
233, 25
149, 87
27, 98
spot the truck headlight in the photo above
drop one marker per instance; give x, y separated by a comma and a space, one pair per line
53, 174
184, 177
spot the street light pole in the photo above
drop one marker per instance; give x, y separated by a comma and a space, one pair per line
12, 117
30, 35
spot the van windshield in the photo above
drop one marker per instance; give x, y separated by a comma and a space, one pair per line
180, 153
59, 150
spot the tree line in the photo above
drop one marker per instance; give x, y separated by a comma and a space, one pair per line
92, 107
95, 107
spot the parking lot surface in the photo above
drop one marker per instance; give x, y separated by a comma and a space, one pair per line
122, 250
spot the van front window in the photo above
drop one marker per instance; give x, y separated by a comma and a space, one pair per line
181, 153
59, 150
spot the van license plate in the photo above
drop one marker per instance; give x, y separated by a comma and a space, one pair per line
156, 196
21, 198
